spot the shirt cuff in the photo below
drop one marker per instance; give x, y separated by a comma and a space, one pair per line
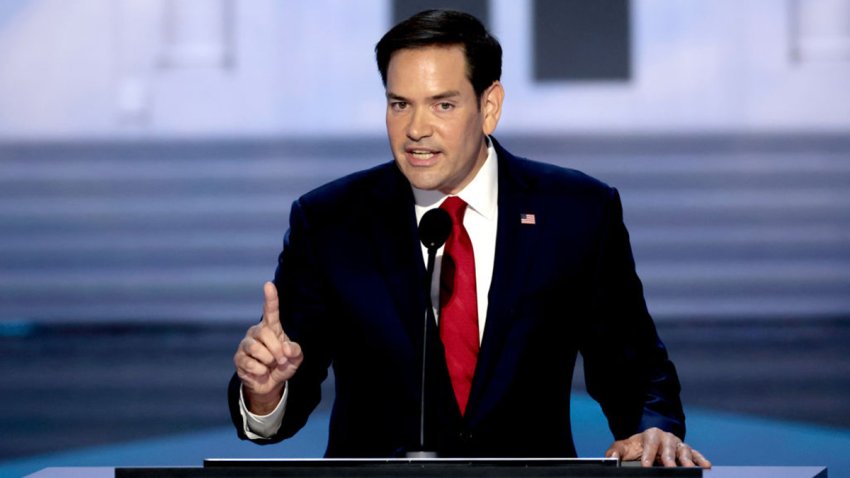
262, 427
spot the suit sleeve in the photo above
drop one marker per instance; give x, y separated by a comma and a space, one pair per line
627, 369
305, 309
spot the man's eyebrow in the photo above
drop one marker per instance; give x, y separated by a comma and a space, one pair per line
446, 95
440, 96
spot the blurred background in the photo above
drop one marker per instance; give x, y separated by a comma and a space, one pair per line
150, 151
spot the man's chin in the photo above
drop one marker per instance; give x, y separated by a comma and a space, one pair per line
421, 178
424, 185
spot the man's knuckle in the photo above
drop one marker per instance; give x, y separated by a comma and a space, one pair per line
254, 349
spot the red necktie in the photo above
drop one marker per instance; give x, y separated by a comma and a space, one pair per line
459, 304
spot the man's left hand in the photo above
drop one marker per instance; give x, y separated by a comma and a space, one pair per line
657, 446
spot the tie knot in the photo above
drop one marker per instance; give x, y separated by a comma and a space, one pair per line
455, 206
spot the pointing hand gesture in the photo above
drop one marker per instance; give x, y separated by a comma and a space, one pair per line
266, 358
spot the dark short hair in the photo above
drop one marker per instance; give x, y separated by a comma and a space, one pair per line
446, 28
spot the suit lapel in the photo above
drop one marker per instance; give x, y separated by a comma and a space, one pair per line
395, 235
395, 240
515, 243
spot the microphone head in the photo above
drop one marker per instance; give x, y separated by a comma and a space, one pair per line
434, 228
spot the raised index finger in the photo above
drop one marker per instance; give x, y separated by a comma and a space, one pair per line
271, 308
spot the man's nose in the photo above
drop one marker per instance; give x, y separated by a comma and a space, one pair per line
419, 126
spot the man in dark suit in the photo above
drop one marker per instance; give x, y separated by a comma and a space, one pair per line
536, 269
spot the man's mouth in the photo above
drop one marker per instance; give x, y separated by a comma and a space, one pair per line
422, 154
421, 157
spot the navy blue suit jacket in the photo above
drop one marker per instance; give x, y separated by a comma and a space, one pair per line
351, 277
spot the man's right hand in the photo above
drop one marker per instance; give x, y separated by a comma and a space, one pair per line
266, 358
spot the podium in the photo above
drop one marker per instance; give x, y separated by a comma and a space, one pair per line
411, 468
625, 471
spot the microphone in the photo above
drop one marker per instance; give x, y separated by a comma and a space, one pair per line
434, 229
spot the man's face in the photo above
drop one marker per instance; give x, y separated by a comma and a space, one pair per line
435, 126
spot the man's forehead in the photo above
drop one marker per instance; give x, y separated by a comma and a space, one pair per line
436, 48
412, 57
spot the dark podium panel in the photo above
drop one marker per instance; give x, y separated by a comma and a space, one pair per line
410, 468
716, 472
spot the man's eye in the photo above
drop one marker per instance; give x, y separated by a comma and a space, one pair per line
445, 106
398, 105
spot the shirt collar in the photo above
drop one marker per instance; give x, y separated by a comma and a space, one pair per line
481, 194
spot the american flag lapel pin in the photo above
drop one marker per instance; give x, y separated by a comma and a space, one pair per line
527, 219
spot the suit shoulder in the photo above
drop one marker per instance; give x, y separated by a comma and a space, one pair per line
349, 189
554, 179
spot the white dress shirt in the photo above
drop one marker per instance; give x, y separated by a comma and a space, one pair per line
480, 220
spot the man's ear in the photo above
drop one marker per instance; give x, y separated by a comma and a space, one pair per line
491, 106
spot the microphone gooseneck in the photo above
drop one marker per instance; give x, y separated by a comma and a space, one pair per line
434, 228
